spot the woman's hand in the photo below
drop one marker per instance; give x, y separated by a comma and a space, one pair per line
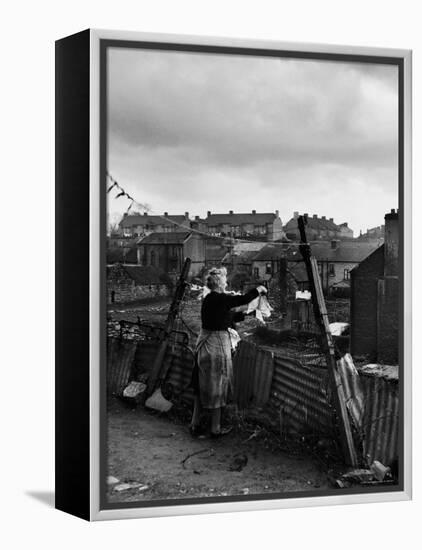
261, 289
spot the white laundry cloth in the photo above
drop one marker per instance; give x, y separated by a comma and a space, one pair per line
234, 338
261, 307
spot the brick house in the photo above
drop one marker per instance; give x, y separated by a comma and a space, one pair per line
335, 259
375, 234
265, 262
318, 228
138, 225
168, 251
374, 307
266, 226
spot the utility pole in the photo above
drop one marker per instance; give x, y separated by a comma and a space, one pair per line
321, 318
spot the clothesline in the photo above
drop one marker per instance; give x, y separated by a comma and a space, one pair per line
147, 208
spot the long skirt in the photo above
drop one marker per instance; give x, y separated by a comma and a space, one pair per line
214, 368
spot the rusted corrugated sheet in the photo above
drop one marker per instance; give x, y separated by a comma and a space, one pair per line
179, 374
145, 355
120, 364
252, 372
299, 393
381, 419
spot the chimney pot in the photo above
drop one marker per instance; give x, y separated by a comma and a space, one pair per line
277, 213
166, 214
186, 214
253, 211
295, 215
230, 212
209, 213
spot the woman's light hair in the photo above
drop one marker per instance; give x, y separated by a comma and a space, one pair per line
216, 278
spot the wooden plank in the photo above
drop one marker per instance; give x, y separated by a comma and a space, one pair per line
321, 318
179, 293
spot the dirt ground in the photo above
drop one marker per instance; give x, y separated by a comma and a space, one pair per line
153, 456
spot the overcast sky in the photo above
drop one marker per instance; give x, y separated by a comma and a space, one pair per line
196, 132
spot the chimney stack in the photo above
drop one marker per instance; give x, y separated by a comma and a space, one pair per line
295, 215
331, 219
209, 213
315, 216
391, 244
253, 211
230, 212
277, 213
186, 214
323, 218
166, 214
196, 218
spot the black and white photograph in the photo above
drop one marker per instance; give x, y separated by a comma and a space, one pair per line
253, 275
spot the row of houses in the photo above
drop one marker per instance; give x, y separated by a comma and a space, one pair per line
363, 269
257, 261
254, 225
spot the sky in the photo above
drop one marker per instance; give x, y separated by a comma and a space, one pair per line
193, 132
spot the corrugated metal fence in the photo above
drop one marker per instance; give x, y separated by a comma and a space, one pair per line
294, 395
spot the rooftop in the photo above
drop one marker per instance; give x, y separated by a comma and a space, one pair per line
165, 238
142, 219
256, 218
271, 251
314, 222
344, 251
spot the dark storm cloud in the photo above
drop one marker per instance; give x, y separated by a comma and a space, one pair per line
189, 121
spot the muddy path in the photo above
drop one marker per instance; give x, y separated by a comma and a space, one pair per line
154, 457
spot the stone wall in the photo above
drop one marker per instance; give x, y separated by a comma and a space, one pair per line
128, 291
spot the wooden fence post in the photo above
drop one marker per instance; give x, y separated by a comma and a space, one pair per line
321, 318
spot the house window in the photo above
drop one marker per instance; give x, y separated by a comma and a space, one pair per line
268, 269
331, 270
256, 272
346, 274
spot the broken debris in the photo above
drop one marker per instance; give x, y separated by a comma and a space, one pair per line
377, 474
130, 485
111, 480
135, 392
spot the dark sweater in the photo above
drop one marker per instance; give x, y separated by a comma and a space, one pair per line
215, 312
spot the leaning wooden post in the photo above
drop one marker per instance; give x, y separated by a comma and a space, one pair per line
321, 318
171, 317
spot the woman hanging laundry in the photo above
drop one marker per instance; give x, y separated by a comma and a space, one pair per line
214, 370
